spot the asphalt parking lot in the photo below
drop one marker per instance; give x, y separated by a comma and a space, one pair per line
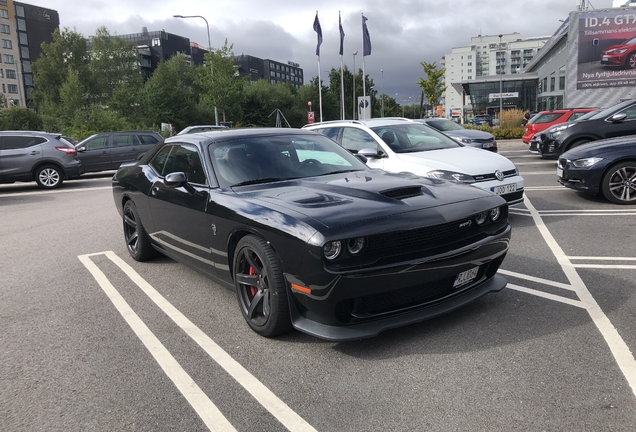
93, 340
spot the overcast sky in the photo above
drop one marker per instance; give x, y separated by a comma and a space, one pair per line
403, 32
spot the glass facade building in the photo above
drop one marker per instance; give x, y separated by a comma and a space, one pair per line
519, 91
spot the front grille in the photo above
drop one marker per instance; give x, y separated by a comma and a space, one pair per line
484, 141
423, 238
492, 176
562, 163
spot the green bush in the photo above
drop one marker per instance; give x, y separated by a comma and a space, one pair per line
513, 133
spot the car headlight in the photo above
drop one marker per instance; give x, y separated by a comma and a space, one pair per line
331, 250
481, 218
463, 140
618, 51
495, 214
355, 246
560, 128
586, 162
451, 175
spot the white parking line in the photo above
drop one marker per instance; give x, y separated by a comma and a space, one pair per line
621, 352
549, 296
52, 192
209, 413
262, 394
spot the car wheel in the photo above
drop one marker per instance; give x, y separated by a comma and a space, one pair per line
49, 177
260, 287
619, 183
578, 143
137, 239
631, 61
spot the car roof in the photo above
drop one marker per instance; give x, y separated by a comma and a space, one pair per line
237, 133
374, 122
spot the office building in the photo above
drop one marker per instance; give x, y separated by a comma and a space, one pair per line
273, 71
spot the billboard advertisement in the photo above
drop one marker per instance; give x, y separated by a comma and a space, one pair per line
607, 49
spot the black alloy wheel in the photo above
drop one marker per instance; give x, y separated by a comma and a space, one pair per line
260, 287
631, 61
49, 177
137, 239
619, 183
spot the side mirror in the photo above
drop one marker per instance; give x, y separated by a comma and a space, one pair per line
81, 148
617, 118
368, 153
176, 179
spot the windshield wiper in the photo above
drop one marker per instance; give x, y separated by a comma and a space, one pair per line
338, 172
263, 180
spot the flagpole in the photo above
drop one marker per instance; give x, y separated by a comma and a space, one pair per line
364, 91
342, 107
319, 90
318, 31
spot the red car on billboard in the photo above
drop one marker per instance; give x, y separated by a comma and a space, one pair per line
622, 55
545, 119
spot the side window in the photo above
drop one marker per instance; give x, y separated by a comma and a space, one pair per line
356, 139
98, 143
21, 142
631, 112
330, 132
124, 140
159, 161
147, 139
185, 158
577, 115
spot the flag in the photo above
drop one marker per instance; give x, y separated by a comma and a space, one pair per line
342, 34
366, 40
318, 30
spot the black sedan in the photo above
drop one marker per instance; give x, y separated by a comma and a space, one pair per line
307, 235
607, 166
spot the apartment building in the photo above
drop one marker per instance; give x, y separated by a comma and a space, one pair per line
23, 29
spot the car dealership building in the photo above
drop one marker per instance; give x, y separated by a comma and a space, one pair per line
590, 61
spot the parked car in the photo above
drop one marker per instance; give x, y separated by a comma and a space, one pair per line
402, 145
620, 55
307, 235
617, 120
45, 158
607, 166
482, 119
545, 119
469, 137
108, 150
202, 128
536, 138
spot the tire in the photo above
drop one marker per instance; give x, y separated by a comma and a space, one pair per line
49, 177
260, 287
631, 61
135, 235
619, 183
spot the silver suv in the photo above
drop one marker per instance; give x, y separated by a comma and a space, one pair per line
44, 157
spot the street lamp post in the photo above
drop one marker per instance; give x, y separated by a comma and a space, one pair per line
355, 53
382, 95
500, 86
216, 115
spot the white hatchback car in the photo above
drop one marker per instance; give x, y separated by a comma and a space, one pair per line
402, 145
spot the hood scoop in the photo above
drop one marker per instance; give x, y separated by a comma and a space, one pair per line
402, 192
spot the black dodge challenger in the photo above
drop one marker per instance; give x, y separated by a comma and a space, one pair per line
307, 235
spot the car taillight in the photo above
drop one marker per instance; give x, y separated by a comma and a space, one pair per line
67, 150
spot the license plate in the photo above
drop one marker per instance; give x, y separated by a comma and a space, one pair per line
560, 172
505, 189
465, 277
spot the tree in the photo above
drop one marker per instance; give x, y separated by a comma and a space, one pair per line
65, 54
168, 96
261, 99
221, 86
432, 87
20, 118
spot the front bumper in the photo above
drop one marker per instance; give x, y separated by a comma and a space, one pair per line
361, 304
584, 179
548, 147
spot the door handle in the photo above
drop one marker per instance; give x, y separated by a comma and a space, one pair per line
34, 152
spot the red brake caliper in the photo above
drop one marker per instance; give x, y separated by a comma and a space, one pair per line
253, 289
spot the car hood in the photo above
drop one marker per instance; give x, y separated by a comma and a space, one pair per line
601, 147
467, 160
379, 197
469, 133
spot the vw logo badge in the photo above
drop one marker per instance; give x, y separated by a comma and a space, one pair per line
499, 175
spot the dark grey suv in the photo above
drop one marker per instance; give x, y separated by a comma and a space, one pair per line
108, 150
44, 157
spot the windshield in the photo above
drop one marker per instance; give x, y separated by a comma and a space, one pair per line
609, 111
270, 158
444, 125
413, 137
587, 115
